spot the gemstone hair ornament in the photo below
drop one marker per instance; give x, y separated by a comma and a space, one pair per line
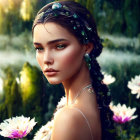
79, 25
56, 6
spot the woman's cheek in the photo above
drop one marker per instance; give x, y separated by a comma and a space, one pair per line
69, 59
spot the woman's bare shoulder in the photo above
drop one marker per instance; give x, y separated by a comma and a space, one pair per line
69, 125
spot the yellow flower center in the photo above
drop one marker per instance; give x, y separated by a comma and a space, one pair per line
20, 132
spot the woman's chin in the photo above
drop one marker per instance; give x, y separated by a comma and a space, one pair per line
53, 82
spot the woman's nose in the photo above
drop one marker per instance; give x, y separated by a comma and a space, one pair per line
48, 59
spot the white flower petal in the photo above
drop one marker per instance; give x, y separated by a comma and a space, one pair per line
45, 131
134, 85
108, 79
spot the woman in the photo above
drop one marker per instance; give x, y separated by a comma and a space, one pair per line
67, 44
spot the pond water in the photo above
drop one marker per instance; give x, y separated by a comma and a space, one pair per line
117, 57
13, 57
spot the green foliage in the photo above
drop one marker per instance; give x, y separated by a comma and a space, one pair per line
132, 18
54, 93
16, 102
127, 134
1, 18
31, 90
7, 89
108, 23
21, 12
26, 11
115, 17
3, 112
12, 100
89, 5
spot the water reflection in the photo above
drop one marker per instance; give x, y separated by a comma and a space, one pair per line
13, 57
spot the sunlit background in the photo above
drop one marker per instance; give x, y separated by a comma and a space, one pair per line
23, 88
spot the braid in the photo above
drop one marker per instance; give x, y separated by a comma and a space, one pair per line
101, 90
103, 99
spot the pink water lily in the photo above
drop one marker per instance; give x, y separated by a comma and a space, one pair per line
122, 114
120, 119
16, 127
18, 134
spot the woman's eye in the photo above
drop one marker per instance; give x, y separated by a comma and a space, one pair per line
60, 46
38, 49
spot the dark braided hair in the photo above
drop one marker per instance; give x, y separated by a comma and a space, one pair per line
84, 29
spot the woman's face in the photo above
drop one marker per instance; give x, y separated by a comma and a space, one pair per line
58, 52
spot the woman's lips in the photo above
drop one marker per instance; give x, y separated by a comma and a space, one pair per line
50, 72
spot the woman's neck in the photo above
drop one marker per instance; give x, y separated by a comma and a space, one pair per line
74, 85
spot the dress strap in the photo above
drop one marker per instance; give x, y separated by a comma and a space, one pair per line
85, 119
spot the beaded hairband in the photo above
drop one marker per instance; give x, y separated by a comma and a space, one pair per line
79, 24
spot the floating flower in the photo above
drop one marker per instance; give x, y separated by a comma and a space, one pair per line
62, 102
108, 79
44, 132
16, 127
134, 85
122, 114
60, 105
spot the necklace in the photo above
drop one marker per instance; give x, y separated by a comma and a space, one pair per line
90, 90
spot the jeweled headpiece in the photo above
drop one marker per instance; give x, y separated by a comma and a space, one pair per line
79, 25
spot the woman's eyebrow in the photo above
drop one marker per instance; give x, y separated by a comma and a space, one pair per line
50, 42
35, 43
55, 41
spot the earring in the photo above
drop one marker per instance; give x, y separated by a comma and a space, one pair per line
88, 60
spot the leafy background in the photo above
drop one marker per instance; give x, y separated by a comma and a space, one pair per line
26, 92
